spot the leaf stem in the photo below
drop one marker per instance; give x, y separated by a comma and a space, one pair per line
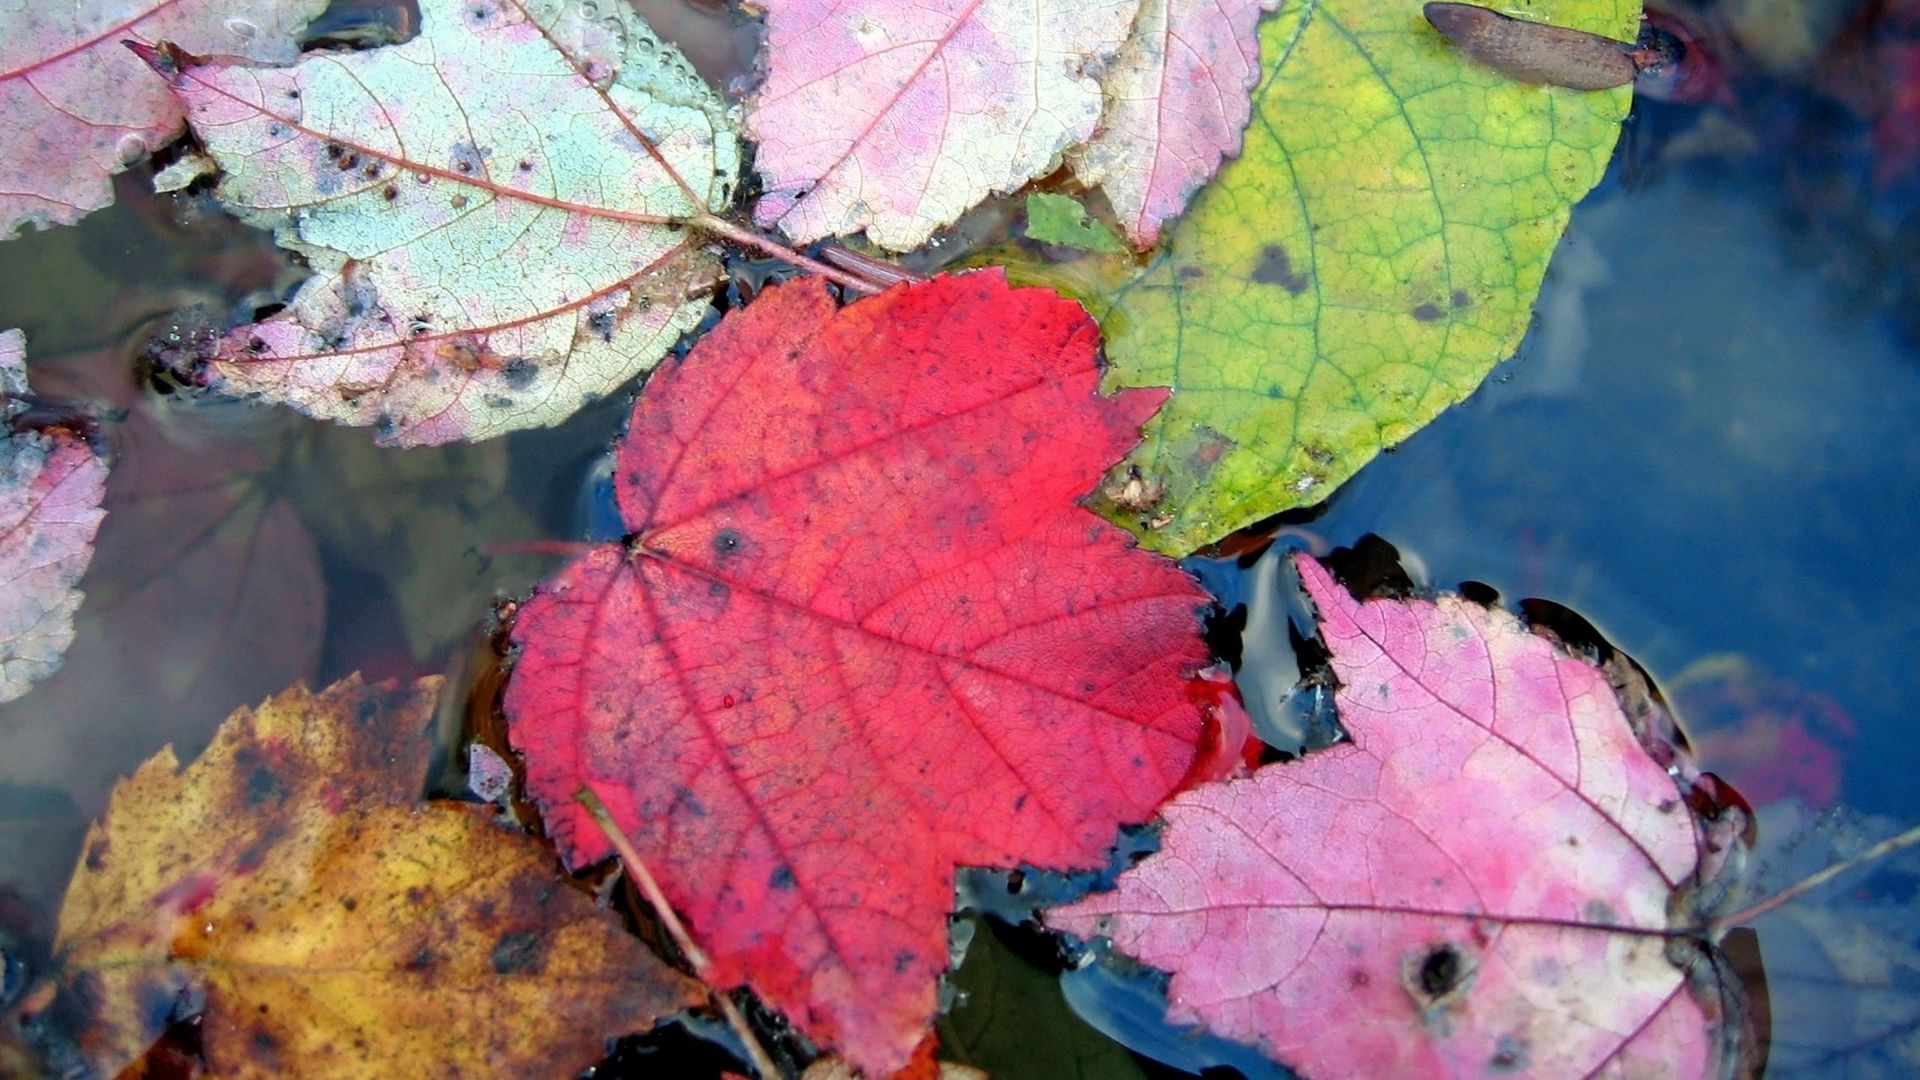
720, 226
1813, 881
637, 870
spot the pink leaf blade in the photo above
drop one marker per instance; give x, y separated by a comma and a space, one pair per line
1177, 100
76, 107
896, 119
1480, 882
51, 487
425, 181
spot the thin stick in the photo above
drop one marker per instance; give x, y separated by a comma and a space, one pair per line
637, 870
721, 227
1807, 884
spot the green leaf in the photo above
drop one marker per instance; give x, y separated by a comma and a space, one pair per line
1060, 219
1372, 253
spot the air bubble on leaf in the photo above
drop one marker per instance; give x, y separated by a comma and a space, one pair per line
130, 148
242, 29
589, 10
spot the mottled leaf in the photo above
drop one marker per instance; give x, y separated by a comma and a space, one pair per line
1371, 254
495, 211
897, 118
861, 635
327, 923
76, 107
1494, 877
51, 484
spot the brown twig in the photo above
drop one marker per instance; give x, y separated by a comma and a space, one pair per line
637, 870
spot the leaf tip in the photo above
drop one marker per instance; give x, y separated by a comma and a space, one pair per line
165, 58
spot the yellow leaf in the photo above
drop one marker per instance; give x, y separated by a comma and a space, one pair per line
328, 923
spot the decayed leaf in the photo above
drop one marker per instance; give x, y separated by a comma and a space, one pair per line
1176, 102
76, 107
1843, 962
333, 924
1373, 251
1480, 883
897, 118
494, 211
51, 484
861, 635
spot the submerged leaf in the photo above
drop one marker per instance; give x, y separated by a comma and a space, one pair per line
860, 635
332, 924
1060, 219
76, 107
1176, 103
51, 485
897, 118
1494, 876
1371, 254
495, 212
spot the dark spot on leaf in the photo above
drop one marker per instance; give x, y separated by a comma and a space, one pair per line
782, 878
1275, 268
422, 960
1359, 979
902, 962
263, 784
520, 373
97, 854
1461, 299
333, 150
256, 346
416, 895
517, 952
349, 903
726, 542
458, 202
1428, 313
1440, 971
1189, 273
347, 161
390, 193
526, 166
498, 401
601, 323
1509, 1055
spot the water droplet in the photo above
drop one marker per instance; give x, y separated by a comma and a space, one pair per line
242, 29
589, 10
727, 702
131, 148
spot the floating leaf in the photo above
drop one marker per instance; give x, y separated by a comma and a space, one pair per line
1060, 219
897, 118
76, 107
495, 212
1493, 876
1373, 251
51, 484
860, 635
332, 924
1176, 102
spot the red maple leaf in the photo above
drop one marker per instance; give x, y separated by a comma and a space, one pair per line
860, 635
